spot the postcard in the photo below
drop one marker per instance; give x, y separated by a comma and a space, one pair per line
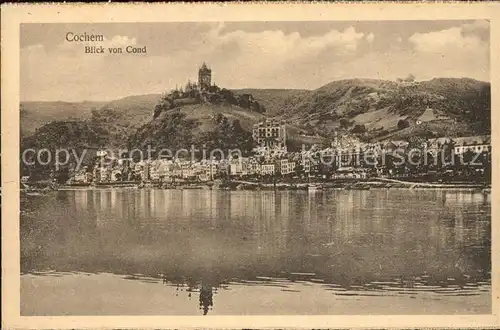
250, 165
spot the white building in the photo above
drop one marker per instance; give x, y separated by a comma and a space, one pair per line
235, 167
154, 174
306, 165
270, 136
253, 166
211, 169
268, 169
145, 172
286, 166
82, 177
101, 153
104, 174
187, 170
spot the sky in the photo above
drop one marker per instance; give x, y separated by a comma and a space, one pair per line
301, 55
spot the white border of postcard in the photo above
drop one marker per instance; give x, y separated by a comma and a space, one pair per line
14, 15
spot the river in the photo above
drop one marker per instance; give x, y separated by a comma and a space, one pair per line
159, 252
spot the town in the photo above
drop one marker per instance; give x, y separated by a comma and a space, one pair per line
464, 159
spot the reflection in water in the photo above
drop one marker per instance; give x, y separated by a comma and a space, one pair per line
377, 240
206, 298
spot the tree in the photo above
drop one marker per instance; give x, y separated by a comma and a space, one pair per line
244, 101
227, 135
344, 123
242, 139
403, 123
410, 78
228, 96
359, 128
164, 104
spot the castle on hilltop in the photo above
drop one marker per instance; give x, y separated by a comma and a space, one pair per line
203, 86
204, 77
205, 91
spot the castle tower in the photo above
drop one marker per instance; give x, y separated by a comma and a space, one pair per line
204, 77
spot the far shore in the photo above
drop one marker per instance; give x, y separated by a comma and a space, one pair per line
340, 184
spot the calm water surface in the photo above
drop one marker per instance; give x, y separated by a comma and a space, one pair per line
353, 243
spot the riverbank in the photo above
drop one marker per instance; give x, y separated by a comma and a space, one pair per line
362, 185
342, 184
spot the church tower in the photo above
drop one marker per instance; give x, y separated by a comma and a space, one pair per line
204, 77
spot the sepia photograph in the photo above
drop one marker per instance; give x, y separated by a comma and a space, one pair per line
250, 168
255, 168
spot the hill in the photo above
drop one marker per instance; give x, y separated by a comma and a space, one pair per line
204, 114
374, 109
123, 117
274, 100
368, 109
36, 114
70, 133
130, 111
134, 110
202, 126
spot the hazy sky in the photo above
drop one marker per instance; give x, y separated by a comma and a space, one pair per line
245, 55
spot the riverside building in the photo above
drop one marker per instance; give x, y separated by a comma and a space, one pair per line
270, 136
